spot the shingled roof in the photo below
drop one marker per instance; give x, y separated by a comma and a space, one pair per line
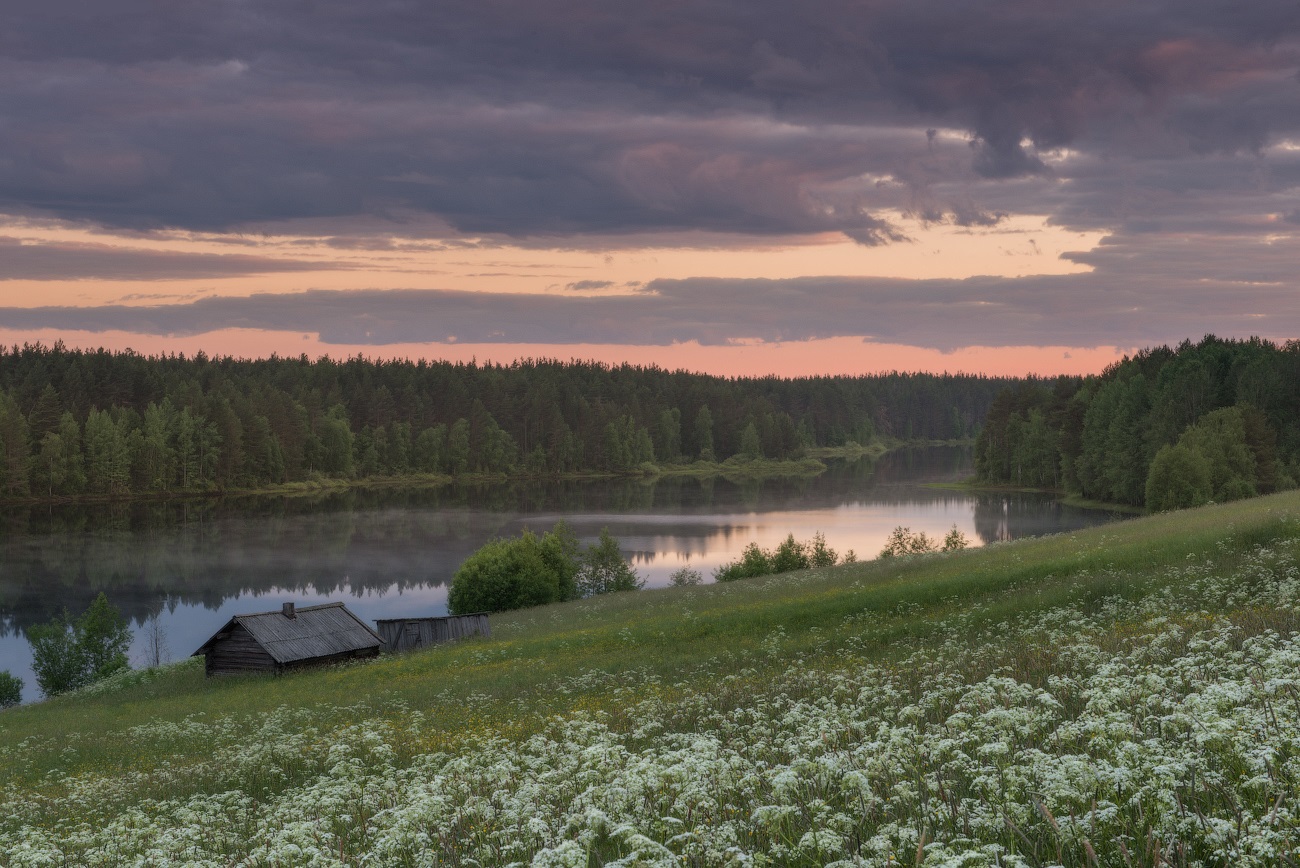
313, 631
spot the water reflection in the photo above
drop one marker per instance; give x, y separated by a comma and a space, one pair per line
389, 552
1000, 517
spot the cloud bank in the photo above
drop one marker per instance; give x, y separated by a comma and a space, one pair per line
749, 116
71, 261
1171, 125
1066, 310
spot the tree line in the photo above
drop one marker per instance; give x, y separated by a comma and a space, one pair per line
1166, 428
95, 422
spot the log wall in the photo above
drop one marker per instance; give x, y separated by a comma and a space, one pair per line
237, 651
407, 634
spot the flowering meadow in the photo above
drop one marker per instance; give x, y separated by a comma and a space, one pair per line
1121, 699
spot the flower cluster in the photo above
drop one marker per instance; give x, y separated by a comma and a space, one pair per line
1161, 727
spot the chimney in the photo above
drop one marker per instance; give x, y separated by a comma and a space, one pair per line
287, 611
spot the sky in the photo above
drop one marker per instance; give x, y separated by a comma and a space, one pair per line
734, 186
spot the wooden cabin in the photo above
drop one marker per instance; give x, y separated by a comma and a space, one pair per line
288, 639
406, 634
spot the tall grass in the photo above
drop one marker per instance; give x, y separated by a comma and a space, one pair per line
927, 709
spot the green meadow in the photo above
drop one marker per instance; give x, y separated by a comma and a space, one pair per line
1128, 694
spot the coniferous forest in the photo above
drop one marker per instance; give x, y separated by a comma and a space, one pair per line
102, 423
1167, 428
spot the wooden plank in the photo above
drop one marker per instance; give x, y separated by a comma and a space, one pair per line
238, 651
405, 634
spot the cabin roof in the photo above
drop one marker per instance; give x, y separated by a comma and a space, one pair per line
428, 618
314, 631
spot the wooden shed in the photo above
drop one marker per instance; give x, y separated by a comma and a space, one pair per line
406, 634
288, 639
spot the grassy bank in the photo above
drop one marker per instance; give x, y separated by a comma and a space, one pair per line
736, 467
852, 451
1123, 694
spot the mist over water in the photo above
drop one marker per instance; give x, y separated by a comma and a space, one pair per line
391, 552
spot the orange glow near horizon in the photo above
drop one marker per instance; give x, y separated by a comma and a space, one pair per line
1019, 245
832, 356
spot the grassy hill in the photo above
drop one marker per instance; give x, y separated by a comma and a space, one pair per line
1123, 695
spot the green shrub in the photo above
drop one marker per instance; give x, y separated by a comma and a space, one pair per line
506, 574
819, 554
603, 569
67, 654
56, 659
902, 542
954, 541
561, 552
754, 562
528, 571
729, 572
104, 636
790, 555
685, 577
11, 689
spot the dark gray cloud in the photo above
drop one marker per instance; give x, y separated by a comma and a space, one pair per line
73, 261
577, 116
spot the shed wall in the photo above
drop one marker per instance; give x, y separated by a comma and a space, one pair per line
406, 634
237, 651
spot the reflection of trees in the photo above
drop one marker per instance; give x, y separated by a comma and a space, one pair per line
208, 561
920, 464
707, 484
862, 470
992, 518
613, 495
1012, 515
145, 555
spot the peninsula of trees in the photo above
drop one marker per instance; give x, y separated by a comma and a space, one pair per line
99, 423
1168, 428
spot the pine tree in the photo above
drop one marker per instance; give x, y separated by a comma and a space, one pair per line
458, 447
704, 434
108, 464
14, 448
751, 447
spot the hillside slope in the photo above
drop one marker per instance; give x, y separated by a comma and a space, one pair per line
1128, 694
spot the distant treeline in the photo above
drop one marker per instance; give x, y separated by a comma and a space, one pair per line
104, 423
1167, 428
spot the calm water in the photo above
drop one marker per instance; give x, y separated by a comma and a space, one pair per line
391, 553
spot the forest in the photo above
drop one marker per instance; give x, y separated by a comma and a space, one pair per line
110, 424
1166, 428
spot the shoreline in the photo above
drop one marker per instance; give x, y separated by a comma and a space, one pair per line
1065, 497
758, 468
810, 465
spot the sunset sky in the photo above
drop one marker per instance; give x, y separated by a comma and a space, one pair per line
736, 186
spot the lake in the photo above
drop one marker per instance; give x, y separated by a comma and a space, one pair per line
390, 552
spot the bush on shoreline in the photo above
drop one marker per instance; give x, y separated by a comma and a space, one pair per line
533, 571
11, 689
790, 555
69, 654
